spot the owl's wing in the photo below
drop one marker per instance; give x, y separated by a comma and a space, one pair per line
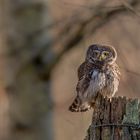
81, 70
117, 71
84, 77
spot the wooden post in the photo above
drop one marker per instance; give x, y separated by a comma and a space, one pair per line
115, 119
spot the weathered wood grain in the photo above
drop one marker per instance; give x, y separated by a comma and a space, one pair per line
115, 119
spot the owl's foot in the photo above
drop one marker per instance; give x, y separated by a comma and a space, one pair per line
73, 109
78, 107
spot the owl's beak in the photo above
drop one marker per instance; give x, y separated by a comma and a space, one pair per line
100, 58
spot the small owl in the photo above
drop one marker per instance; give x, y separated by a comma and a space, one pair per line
98, 74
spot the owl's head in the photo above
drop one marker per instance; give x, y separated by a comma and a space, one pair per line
102, 54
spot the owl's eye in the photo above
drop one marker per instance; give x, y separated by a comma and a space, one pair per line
95, 53
105, 53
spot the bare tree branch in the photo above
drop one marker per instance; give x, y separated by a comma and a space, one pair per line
73, 32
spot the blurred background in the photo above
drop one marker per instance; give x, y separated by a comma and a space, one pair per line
42, 43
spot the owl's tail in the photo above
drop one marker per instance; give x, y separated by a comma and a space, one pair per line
78, 106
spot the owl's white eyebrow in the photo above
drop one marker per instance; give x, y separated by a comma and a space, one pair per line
105, 51
96, 51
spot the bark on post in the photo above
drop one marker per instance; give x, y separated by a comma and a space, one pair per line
116, 119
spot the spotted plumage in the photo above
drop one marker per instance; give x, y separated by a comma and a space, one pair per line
98, 74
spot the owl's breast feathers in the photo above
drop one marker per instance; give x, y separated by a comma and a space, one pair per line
97, 78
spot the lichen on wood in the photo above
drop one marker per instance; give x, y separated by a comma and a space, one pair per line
132, 112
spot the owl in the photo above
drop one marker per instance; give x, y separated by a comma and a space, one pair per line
98, 74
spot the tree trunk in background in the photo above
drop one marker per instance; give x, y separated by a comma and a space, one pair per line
23, 93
